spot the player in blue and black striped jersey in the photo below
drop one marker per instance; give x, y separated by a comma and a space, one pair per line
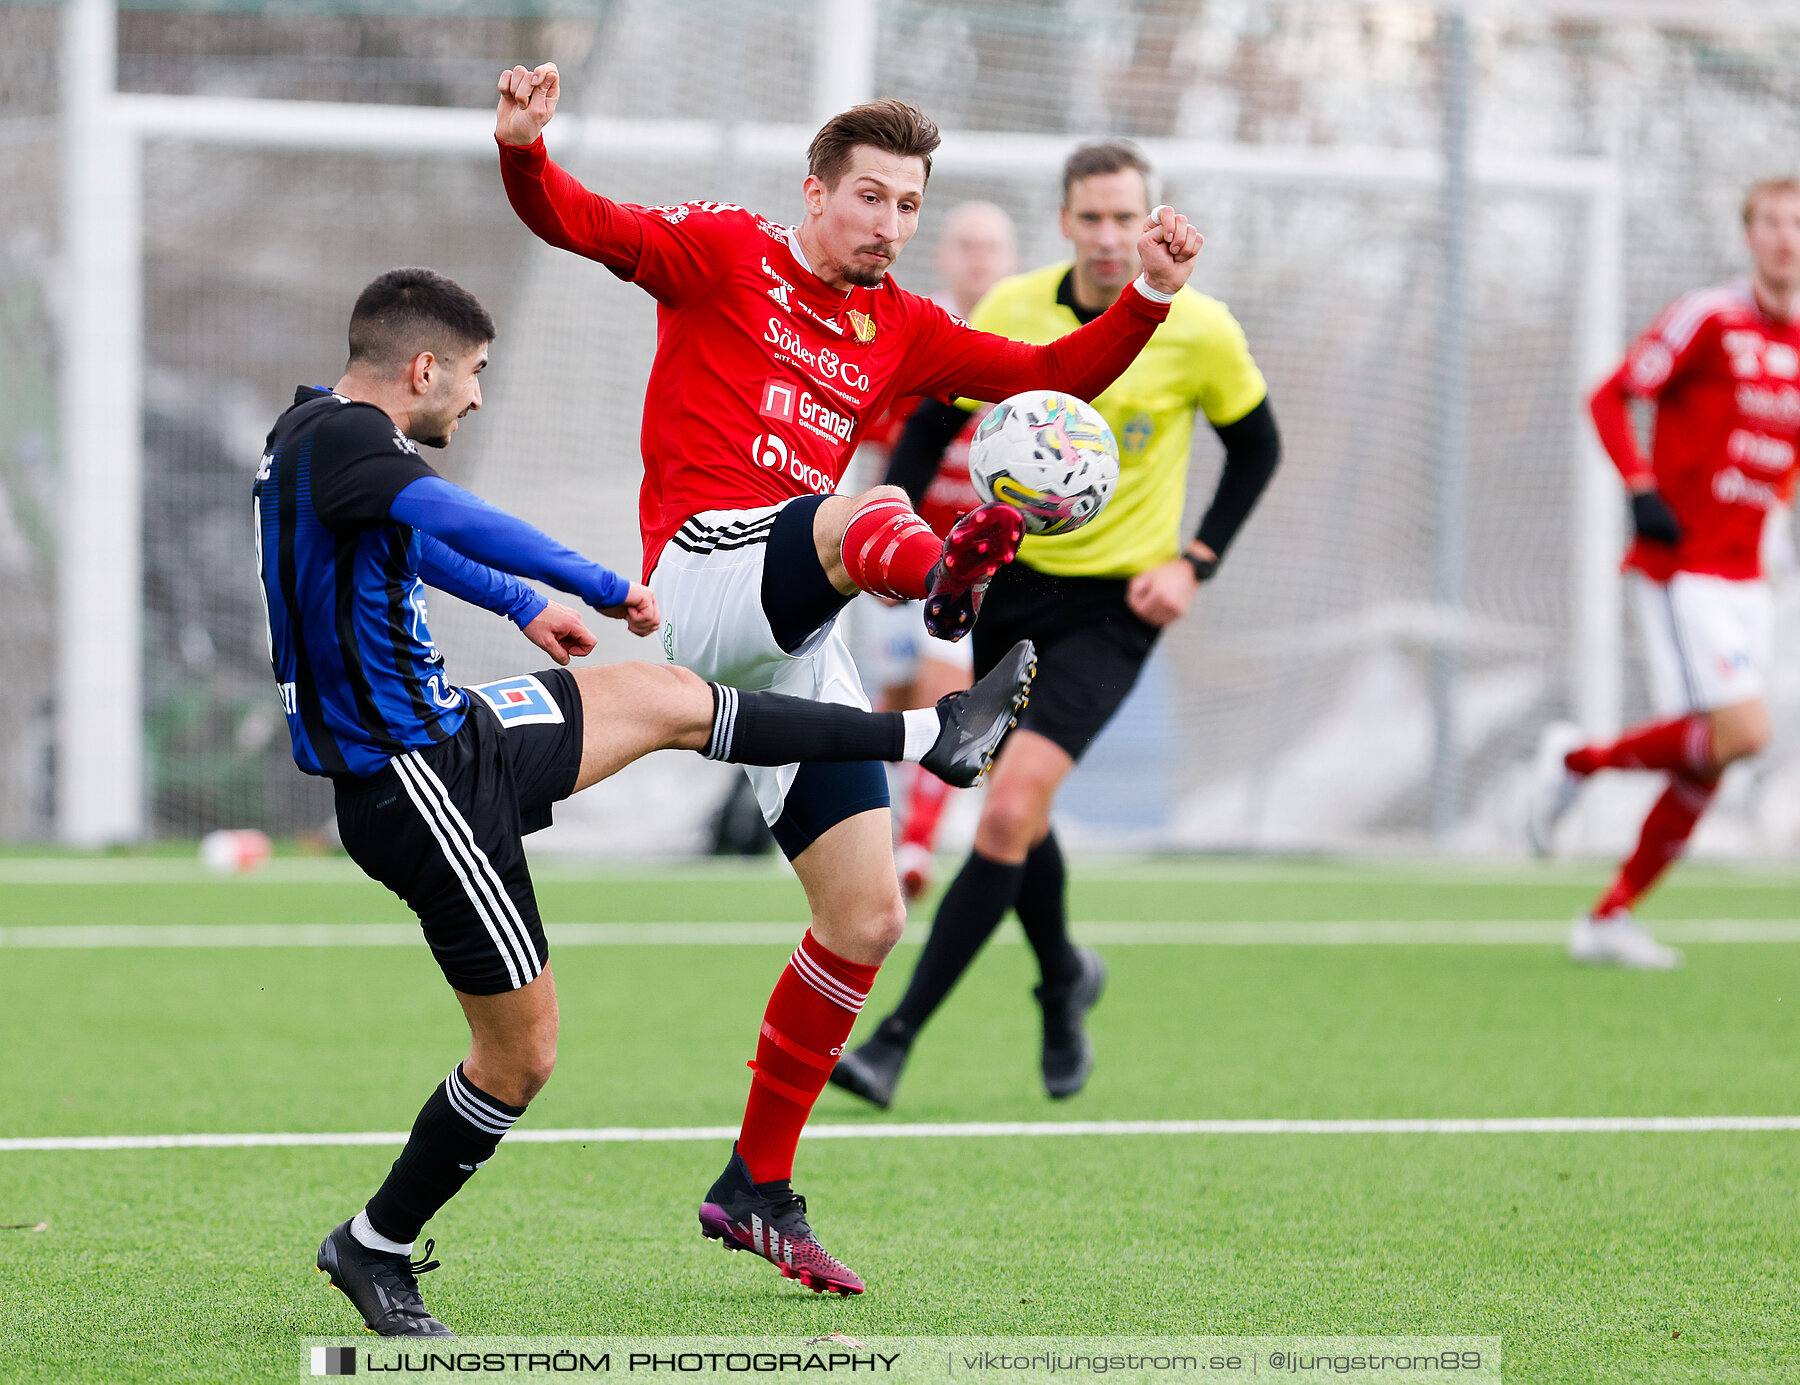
437, 784
353, 524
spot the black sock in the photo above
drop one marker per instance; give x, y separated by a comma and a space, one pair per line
967, 915
765, 728
457, 1131
1043, 913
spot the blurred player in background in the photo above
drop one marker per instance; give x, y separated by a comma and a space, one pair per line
910, 666
1722, 367
1095, 601
437, 785
777, 347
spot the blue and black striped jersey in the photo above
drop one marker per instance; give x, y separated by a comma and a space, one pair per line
360, 679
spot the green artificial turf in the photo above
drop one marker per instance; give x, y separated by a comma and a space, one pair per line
1595, 1257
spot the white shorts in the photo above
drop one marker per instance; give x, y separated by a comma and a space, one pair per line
1707, 640
893, 639
710, 595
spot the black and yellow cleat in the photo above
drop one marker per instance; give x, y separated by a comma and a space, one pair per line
974, 721
384, 1287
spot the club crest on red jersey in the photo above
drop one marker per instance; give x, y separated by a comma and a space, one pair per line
863, 325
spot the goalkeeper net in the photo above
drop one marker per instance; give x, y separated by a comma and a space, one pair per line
1411, 602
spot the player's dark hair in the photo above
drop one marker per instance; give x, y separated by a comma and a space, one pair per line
1765, 188
406, 311
1105, 156
888, 125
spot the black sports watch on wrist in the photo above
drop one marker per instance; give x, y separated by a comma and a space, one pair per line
1203, 567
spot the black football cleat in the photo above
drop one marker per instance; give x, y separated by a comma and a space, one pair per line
384, 1287
770, 1219
977, 546
1068, 1055
872, 1071
973, 722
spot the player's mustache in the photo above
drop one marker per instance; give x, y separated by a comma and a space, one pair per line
880, 247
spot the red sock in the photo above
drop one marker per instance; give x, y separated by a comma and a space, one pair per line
889, 550
1665, 833
810, 1015
1682, 746
924, 807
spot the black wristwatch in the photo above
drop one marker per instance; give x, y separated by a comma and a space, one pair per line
1203, 567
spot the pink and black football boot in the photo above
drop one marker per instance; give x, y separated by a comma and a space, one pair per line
770, 1219
978, 545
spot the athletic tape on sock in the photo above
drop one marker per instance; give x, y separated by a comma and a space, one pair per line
874, 537
825, 1062
780, 1088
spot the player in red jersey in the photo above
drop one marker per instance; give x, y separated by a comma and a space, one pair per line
1722, 366
776, 347
911, 667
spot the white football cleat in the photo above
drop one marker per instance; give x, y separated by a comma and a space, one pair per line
1554, 787
1618, 941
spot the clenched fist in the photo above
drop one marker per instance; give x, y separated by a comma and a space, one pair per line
1166, 249
527, 101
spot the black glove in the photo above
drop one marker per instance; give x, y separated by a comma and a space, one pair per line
1653, 519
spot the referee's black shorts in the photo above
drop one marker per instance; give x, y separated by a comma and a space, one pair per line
443, 827
1090, 648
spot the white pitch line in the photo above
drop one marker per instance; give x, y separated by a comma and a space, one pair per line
1523, 1125
290, 870
1349, 932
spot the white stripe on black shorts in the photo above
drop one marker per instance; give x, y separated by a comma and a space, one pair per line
443, 826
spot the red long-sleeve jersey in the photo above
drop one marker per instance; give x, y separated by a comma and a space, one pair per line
1725, 378
765, 378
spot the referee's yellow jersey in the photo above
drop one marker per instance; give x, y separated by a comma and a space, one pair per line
1197, 361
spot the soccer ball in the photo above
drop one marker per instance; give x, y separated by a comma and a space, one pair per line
1048, 455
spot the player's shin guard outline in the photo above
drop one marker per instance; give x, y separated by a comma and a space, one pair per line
889, 550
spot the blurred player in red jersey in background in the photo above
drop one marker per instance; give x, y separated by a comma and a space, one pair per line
911, 667
1722, 367
776, 348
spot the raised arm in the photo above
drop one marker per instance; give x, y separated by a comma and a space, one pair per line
558, 209
673, 253
954, 359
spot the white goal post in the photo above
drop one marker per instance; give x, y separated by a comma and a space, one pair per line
99, 736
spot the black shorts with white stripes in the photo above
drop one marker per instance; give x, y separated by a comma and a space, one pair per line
443, 827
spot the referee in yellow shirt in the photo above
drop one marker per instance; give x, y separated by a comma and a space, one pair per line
1094, 600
